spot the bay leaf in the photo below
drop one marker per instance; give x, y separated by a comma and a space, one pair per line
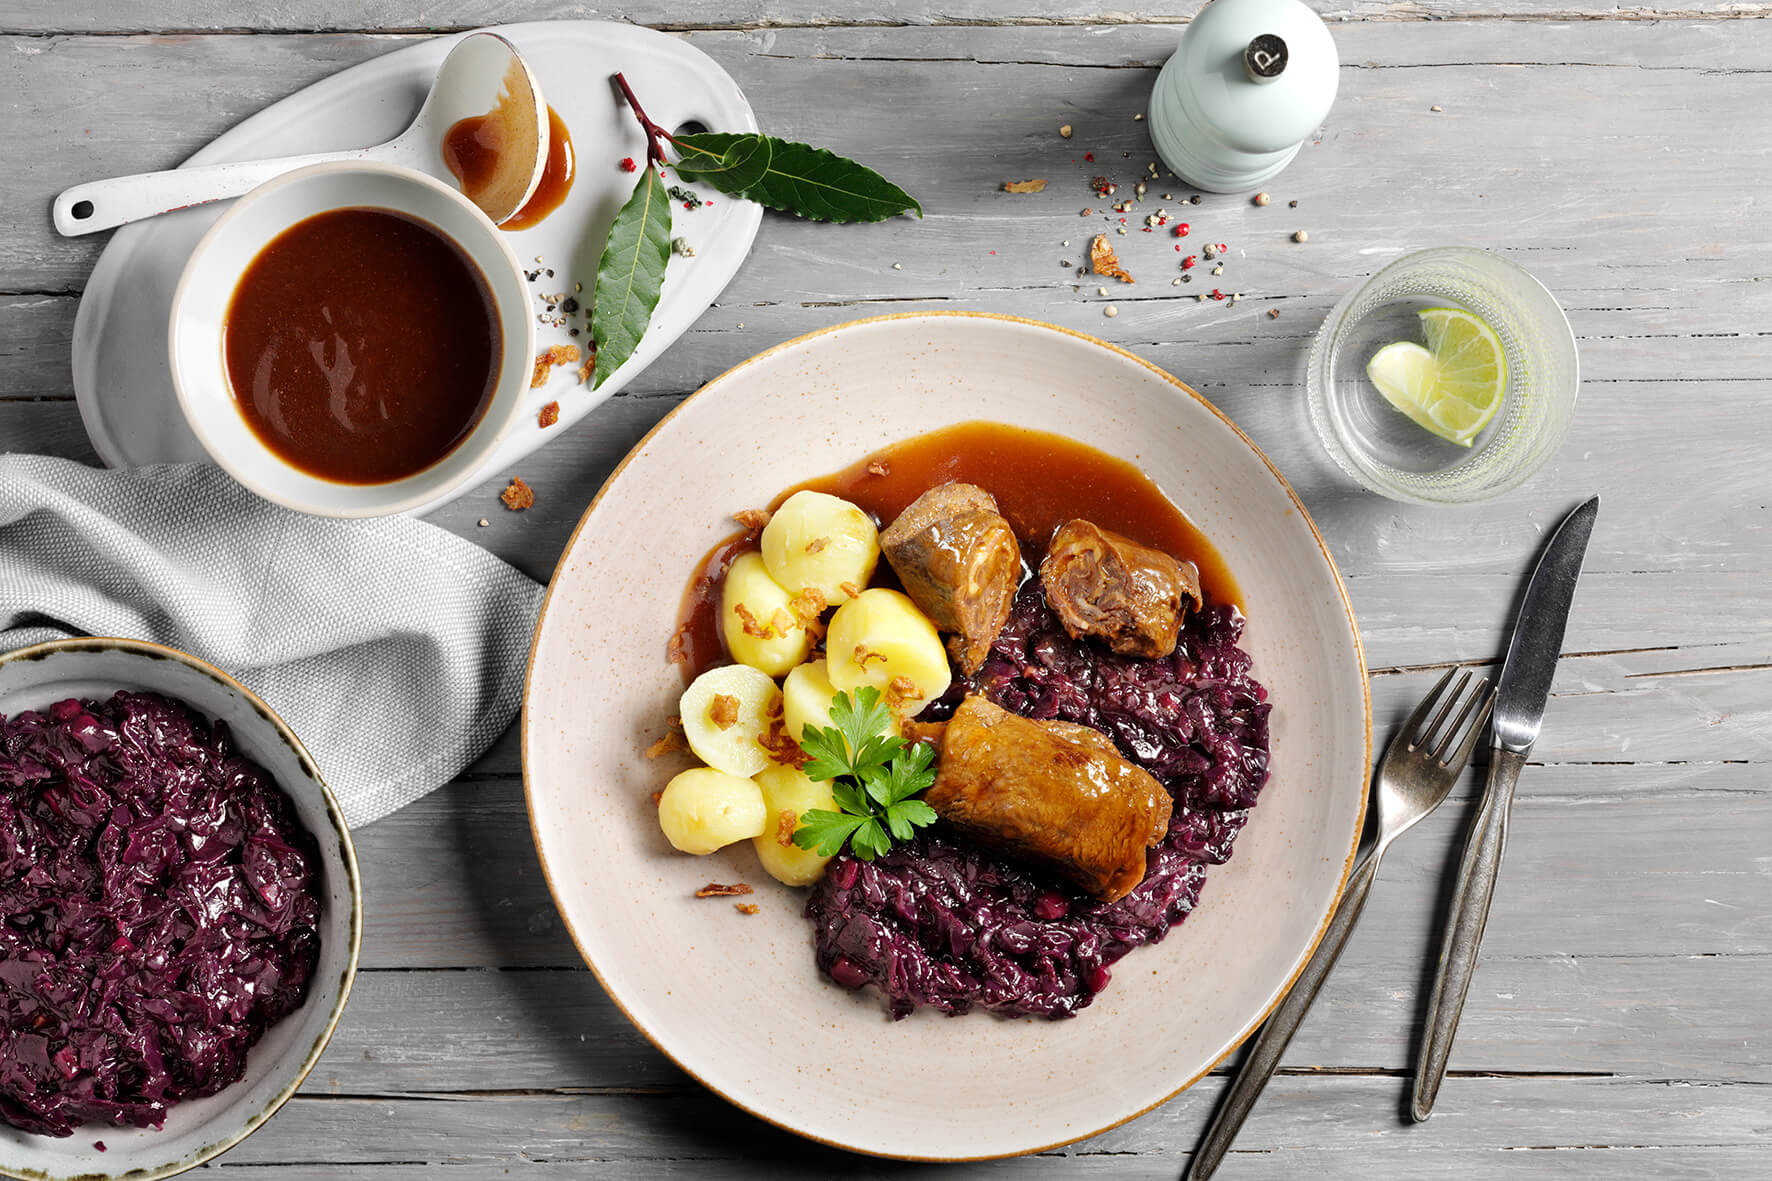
796, 178
630, 274
731, 162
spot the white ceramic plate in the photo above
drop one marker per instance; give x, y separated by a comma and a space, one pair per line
737, 1001
122, 378
198, 1129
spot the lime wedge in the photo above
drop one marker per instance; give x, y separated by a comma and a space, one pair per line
1452, 387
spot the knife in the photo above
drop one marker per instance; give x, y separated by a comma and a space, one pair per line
1520, 698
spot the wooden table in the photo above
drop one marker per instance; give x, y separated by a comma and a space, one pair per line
1618, 1025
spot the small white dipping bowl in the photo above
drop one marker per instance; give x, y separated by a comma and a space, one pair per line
198, 1129
200, 311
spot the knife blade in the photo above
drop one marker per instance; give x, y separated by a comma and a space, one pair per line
1525, 684
1521, 696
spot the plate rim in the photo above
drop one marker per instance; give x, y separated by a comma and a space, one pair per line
1026, 322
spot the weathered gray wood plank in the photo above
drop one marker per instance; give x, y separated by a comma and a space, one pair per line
1547, 1013
901, 112
1585, 1163
306, 15
1602, 712
1712, 524
1305, 1124
453, 881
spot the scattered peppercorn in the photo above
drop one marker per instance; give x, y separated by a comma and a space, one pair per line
627, 164
1065, 131
1262, 198
1292, 204
1273, 313
1110, 311
1301, 236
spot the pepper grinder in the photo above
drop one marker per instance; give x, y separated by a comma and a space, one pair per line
1251, 79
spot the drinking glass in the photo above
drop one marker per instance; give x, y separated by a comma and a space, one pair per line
1382, 448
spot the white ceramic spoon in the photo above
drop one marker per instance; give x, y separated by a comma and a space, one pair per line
483, 75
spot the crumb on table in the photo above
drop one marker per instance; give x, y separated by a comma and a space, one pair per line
717, 890
518, 495
550, 414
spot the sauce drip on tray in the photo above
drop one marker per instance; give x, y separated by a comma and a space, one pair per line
475, 147
556, 177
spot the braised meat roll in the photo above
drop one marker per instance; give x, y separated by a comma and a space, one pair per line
959, 562
1053, 794
1130, 595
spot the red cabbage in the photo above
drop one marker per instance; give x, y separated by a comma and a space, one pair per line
938, 922
157, 911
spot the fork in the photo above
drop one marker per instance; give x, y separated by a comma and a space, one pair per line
1418, 770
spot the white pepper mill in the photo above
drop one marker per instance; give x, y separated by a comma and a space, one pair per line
1251, 80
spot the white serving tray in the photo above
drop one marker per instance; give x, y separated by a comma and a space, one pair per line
121, 376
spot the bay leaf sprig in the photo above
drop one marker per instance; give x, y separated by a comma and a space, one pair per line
630, 273
779, 174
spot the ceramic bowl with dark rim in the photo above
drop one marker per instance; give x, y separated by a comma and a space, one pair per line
736, 999
199, 1129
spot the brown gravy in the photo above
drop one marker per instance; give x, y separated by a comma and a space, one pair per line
362, 345
1040, 481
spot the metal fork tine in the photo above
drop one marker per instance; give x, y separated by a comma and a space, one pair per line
1426, 738
1412, 726
1462, 755
1455, 731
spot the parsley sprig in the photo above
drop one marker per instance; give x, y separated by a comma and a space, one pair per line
873, 777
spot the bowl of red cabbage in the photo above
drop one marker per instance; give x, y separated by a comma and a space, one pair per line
180, 911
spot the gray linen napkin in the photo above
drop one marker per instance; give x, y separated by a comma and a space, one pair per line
394, 649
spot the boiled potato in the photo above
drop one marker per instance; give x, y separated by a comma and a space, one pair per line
771, 639
704, 809
806, 700
747, 701
788, 790
820, 541
880, 635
